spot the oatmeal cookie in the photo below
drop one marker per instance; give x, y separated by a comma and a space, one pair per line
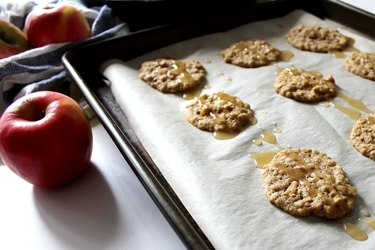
362, 64
219, 112
317, 39
251, 54
170, 76
362, 136
304, 86
304, 181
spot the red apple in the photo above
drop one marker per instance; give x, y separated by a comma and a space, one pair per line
12, 39
55, 23
46, 138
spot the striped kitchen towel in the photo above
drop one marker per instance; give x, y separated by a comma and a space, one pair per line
41, 68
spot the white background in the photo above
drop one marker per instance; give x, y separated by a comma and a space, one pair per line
367, 5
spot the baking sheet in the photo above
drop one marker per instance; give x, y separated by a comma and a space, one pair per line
217, 180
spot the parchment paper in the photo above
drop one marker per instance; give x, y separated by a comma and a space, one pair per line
217, 180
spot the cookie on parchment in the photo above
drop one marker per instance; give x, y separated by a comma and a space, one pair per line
361, 64
251, 53
304, 86
171, 76
304, 181
317, 39
219, 112
362, 136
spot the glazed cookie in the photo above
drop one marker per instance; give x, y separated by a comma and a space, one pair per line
304, 181
317, 39
170, 76
251, 54
219, 112
304, 86
362, 64
362, 136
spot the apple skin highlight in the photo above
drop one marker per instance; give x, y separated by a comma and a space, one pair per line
55, 23
46, 139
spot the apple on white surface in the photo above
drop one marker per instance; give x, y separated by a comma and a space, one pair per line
55, 23
46, 138
12, 39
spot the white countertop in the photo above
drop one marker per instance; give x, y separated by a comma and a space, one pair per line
367, 5
107, 208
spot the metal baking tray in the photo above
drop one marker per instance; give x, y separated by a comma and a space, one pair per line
83, 64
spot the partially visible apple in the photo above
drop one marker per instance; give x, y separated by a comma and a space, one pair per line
46, 138
55, 23
12, 39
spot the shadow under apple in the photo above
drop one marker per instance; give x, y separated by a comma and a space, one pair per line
82, 214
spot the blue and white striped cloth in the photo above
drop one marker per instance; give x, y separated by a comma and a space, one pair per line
41, 68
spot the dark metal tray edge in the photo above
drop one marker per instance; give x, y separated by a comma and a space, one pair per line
92, 84
144, 168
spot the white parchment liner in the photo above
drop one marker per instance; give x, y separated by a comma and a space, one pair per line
216, 179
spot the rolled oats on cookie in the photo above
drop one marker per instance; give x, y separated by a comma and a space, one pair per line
362, 136
219, 112
361, 64
251, 53
304, 86
171, 76
304, 181
317, 39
